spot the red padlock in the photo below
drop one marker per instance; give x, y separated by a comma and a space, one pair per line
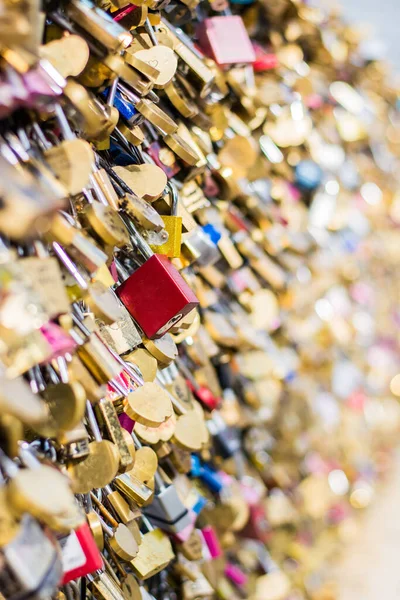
204, 395
156, 295
80, 555
225, 40
257, 527
264, 61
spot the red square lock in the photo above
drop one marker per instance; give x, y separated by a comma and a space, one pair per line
80, 555
157, 296
225, 39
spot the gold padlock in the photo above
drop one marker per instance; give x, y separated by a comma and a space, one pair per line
173, 226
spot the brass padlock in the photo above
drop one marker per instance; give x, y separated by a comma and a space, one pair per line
173, 226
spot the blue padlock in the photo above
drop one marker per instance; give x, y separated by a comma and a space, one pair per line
211, 479
206, 474
119, 156
308, 175
212, 233
196, 466
199, 504
125, 108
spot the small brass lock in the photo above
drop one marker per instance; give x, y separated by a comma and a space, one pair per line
173, 226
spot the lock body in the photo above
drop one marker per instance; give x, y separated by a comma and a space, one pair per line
226, 40
80, 555
173, 226
172, 247
167, 511
156, 296
30, 563
200, 249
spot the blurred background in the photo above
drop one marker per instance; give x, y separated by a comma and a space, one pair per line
369, 567
381, 17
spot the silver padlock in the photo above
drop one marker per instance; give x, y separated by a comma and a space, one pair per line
30, 564
167, 510
199, 249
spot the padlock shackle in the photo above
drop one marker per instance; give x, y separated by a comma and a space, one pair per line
94, 426
150, 31
174, 198
69, 265
112, 91
137, 240
62, 120
62, 369
159, 482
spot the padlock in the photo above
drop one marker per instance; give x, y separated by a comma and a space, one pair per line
225, 39
125, 108
235, 574
71, 160
100, 467
166, 510
192, 547
80, 555
104, 586
119, 537
201, 392
173, 226
257, 527
106, 409
150, 111
119, 505
155, 285
99, 24
66, 402
143, 179
44, 274
226, 439
39, 573
162, 156
51, 502
82, 248
198, 72
133, 489
59, 341
95, 119
211, 540
27, 197
199, 588
74, 443
121, 336
155, 552
206, 474
147, 364
97, 358
199, 248
17, 400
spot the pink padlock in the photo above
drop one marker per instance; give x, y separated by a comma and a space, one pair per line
225, 40
59, 341
211, 540
126, 422
43, 83
235, 574
184, 534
